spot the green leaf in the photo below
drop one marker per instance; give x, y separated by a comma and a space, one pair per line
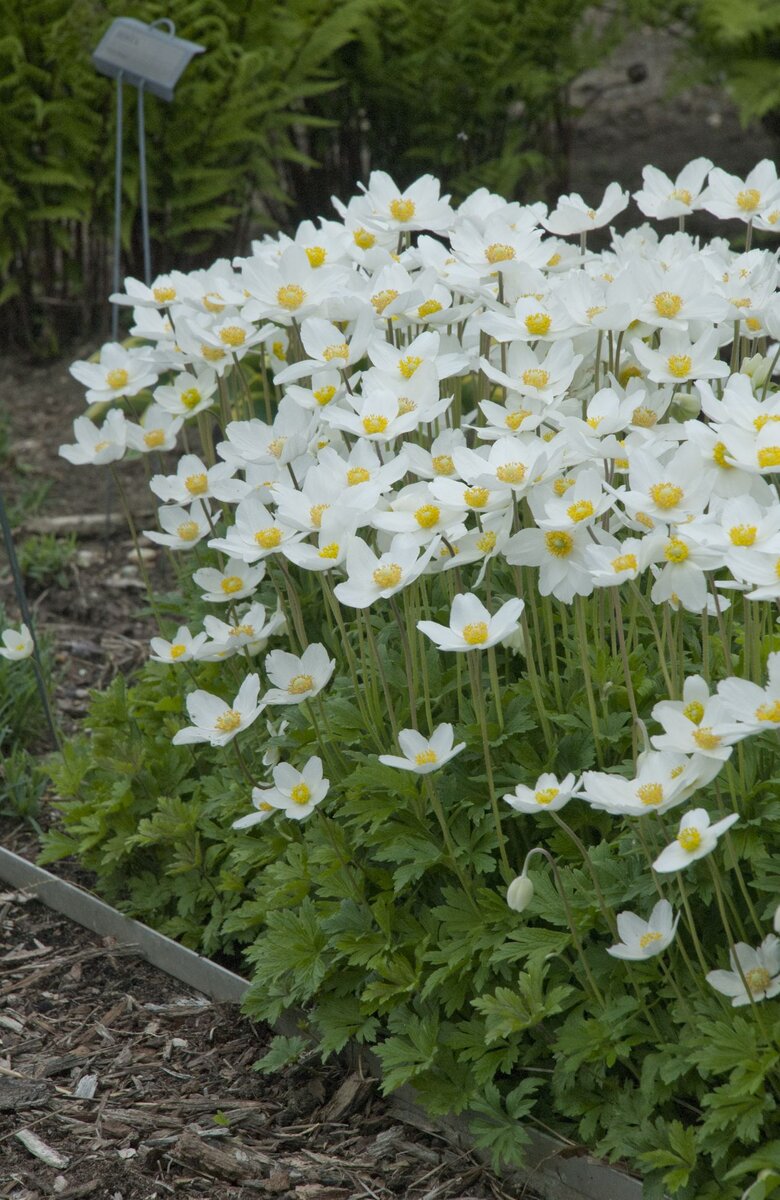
282, 1052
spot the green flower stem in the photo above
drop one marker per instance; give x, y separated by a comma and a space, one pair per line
621, 636
295, 604
242, 764
326, 824
379, 664
690, 921
478, 700
531, 667
582, 646
465, 882
552, 643
647, 610
495, 687
607, 912
337, 758
349, 654
408, 661
642, 828
136, 546
569, 917
732, 941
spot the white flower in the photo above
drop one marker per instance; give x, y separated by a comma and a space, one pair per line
520, 893
547, 795
195, 481
420, 206
157, 430
295, 793
118, 372
757, 709
183, 647
297, 679
252, 632
182, 527
754, 974
233, 582
679, 360
423, 755
741, 199
643, 939
256, 533
215, 721
371, 578
695, 839
573, 215
189, 394
471, 626
560, 555
662, 198
17, 644
97, 445
697, 725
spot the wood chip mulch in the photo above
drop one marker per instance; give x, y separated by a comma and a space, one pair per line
118, 1083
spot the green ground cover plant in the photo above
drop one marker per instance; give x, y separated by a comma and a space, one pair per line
460, 730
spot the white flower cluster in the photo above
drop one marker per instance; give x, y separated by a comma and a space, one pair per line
447, 387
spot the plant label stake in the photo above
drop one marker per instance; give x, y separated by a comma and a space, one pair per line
151, 59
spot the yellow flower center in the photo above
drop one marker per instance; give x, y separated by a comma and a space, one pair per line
705, 739
301, 794
375, 424
689, 838
211, 353
278, 350
330, 551
212, 302
762, 419
719, 453
357, 475
428, 309
512, 472
315, 514
300, 684
769, 712
749, 199
231, 584
268, 538
487, 541
553, 260
227, 721
580, 510
387, 576
190, 397
667, 304
163, 295
290, 296
559, 543
753, 324
381, 300
499, 252
232, 335
425, 758
742, 535
644, 417
475, 634
402, 210
405, 405
769, 456
324, 395
177, 650
562, 485
316, 255
363, 239
594, 311
629, 372
427, 515
676, 551
155, 437
546, 795
476, 497
337, 350
188, 531
650, 793
538, 323
758, 980
536, 377
681, 194
666, 495
241, 630
694, 712
647, 939
679, 365
774, 216
117, 378
442, 464
515, 419
196, 485
645, 519
624, 562
407, 366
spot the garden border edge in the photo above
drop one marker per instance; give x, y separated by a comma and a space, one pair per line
556, 1170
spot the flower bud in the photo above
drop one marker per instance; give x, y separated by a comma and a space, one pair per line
757, 367
514, 641
520, 893
776, 922
686, 407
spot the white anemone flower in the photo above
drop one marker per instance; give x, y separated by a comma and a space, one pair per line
157, 430
660, 197
297, 793
216, 722
256, 533
698, 725
644, 939
17, 644
195, 481
189, 394
754, 974
233, 581
97, 445
547, 795
728, 196
297, 678
573, 215
541, 374
423, 755
119, 372
757, 709
328, 347
471, 626
679, 360
371, 578
420, 206
182, 527
182, 648
252, 631
695, 839
663, 780
560, 555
